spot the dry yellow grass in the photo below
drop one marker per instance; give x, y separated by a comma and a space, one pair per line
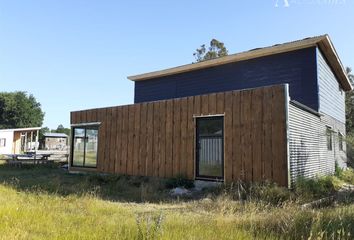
42, 203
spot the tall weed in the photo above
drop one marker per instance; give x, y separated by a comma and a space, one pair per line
149, 226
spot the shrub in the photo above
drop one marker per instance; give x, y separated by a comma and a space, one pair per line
319, 187
270, 193
337, 170
347, 176
267, 192
103, 178
350, 150
179, 181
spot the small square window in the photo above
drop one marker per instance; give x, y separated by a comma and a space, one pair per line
340, 141
329, 138
2, 142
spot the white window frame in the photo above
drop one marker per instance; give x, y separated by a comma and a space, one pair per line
340, 141
2, 142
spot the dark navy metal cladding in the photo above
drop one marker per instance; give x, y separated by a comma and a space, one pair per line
297, 68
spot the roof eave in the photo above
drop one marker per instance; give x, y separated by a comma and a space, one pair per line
323, 42
281, 48
21, 129
330, 52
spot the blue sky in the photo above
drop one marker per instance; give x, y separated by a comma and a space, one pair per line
74, 55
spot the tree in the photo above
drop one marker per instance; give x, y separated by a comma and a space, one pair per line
62, 129
215, 50
349, 104
19, 110
349, 114
42, 131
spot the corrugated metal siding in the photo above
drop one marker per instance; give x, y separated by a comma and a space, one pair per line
298, 68
331, 99
304, 143
211, 150
309, 156
335, 154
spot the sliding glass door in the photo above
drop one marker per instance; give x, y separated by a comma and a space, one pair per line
84, 146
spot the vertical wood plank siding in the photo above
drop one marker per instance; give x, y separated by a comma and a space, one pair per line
158, 138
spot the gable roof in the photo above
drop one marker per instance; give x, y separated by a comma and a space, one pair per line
55, 135
20, 129
323, 42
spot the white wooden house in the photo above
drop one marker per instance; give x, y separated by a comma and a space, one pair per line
19, 140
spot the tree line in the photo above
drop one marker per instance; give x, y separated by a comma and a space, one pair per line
21, 110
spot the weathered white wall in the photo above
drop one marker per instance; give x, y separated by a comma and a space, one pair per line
9, 136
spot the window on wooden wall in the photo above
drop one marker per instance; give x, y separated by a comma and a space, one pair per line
84, 146
340, 141
2, 142
329, 138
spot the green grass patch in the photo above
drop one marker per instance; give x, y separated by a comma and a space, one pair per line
346, 176
310, 189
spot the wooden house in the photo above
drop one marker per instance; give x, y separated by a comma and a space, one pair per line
273, 113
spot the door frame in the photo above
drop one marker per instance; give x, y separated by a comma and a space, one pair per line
196, 149
91, 125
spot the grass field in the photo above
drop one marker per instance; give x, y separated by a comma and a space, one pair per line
49, 203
